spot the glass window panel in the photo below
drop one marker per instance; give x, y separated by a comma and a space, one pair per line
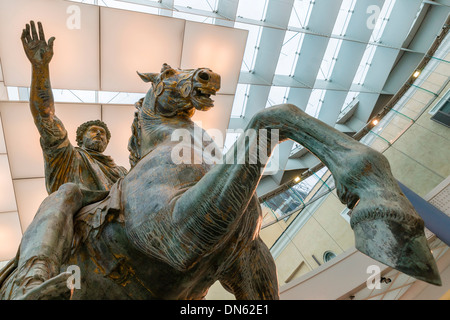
230, 139
277, 95
13, 93
343, 18
350, 97
207, 5
251, 47
83, 96
192, 17
315, 102
289, 52
252, 9
285, 203
301, 12
382, 20
240, 100
364, 65
127, 6
329, 59
107, 97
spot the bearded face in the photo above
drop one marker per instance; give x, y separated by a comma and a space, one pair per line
95, 139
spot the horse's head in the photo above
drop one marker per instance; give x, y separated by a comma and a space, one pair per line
179, 92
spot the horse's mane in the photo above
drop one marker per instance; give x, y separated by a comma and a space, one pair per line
154, 123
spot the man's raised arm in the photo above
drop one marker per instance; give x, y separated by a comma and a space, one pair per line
39, 52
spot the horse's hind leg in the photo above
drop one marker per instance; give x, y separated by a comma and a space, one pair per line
252, 275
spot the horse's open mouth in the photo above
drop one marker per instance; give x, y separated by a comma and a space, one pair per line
203, 96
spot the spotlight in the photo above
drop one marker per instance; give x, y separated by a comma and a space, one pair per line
297, 179
416, 74
375, 122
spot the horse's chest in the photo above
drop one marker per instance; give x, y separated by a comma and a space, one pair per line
151, 186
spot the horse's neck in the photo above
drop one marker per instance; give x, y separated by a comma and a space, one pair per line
158, 130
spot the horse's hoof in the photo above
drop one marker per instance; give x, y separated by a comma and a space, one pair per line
395, 237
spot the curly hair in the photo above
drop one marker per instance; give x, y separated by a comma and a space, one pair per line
83, 127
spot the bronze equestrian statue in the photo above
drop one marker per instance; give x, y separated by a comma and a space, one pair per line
170, 230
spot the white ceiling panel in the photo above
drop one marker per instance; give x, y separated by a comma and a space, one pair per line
133, 41
3, 92
219, 48
119, 119
22, 140
217, 118
30, 193
75, 62
10, 235
7, 199
2, 139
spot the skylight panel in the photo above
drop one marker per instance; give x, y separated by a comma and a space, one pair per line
126, 6
252, 9
364, 65
240, 100
300, 14
343, 18
230, 139
277, 95
107, 97
252, 45
289, 53
329, 59
351, 96
315, 102
77, 96
382, 20
192, 17
13, 93
206, 5
334, 45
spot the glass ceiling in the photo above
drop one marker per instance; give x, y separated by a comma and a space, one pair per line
286, 79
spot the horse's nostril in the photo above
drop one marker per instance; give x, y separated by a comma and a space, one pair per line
203, 75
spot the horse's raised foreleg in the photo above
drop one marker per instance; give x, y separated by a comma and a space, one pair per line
386, 226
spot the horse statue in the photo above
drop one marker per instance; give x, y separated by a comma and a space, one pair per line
170, 230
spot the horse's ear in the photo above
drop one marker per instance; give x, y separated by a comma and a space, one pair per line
148, 77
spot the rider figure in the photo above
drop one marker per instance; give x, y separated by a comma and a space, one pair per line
74, 176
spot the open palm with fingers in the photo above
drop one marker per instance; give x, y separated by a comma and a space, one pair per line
38, 51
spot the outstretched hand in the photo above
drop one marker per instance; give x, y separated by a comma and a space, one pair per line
38, 51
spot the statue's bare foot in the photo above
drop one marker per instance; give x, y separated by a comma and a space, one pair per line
52, 289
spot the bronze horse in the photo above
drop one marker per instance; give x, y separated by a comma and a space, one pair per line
170, 230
